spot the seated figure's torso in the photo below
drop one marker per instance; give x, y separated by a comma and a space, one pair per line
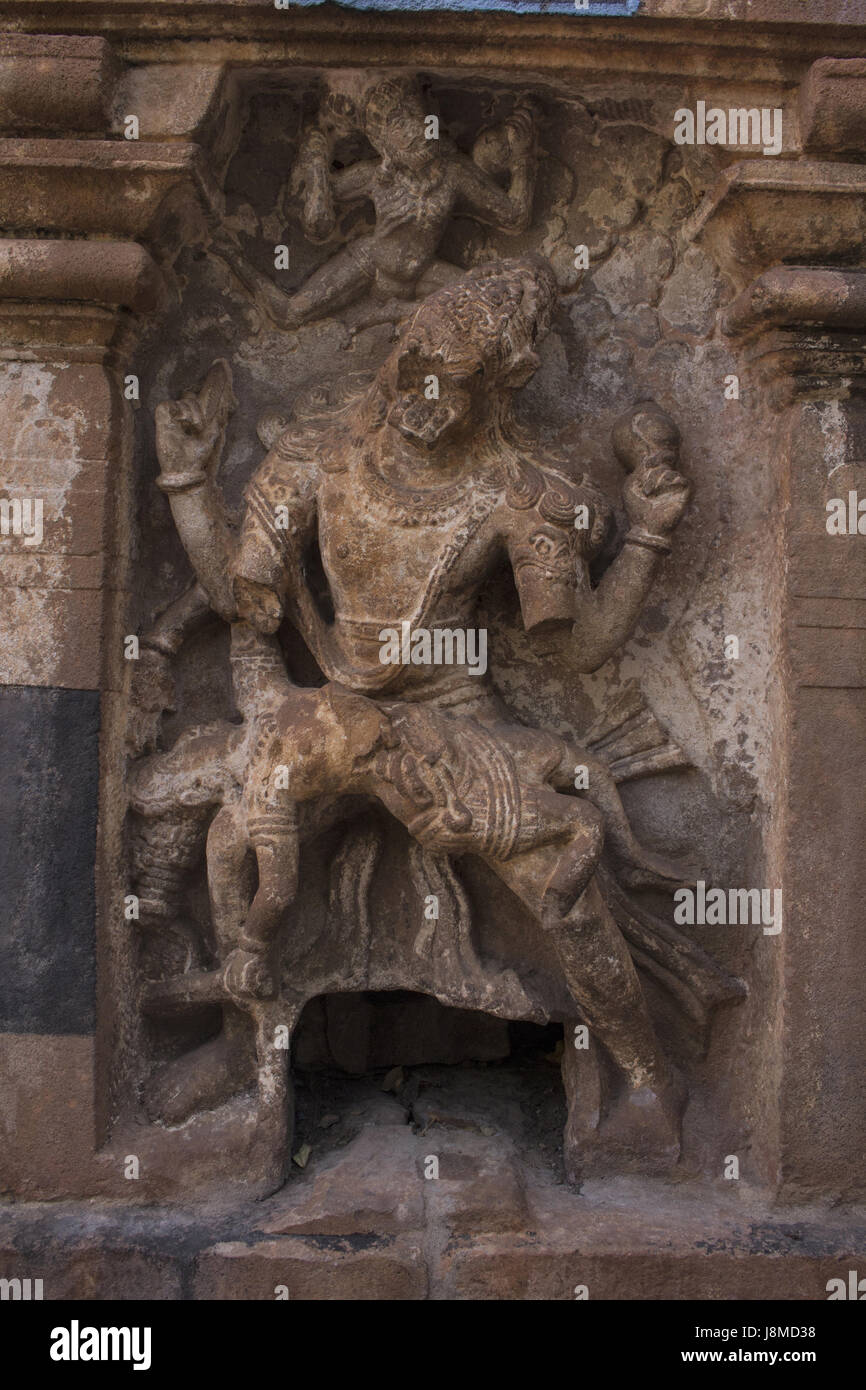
384, 571
409, 224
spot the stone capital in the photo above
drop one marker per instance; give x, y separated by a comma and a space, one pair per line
92, 219
804, 331
763, 211
833, 106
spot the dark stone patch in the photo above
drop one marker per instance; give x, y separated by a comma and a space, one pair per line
49, 777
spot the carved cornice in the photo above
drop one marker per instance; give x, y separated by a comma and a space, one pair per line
102, 187
112, 273
833, 106
799, 296
82, 207
189, 59
55, 83
747, 40
763, 211
804, 328
802, 323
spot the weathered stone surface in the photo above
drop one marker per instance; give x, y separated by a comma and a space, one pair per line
110, 272
48, 1122
616, 1240
480, 1184
372, 1187
95, 1273
430, 319
833, 106
363, 1268
762, 211
48, 795
53, 82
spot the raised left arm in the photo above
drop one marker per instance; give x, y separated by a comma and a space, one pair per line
189, 441
551, 570
655, 499
482, 197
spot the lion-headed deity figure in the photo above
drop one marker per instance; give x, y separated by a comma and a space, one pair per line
414, 487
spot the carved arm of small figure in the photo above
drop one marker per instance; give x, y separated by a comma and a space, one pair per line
511, 148
311, 177
321, 187
646, 442
189, 440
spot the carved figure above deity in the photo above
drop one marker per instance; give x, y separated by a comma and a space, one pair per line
416, 181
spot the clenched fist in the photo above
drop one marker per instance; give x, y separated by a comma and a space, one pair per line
184, 438
655, 498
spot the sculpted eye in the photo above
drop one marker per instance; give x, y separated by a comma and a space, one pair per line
466, 378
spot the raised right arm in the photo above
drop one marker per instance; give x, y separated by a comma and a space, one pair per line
189, 439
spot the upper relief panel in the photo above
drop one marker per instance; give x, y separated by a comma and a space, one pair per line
351, 197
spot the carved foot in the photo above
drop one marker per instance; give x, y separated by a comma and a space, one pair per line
643, 1123
655, 872
276, 304
201, 1080
392, 312
616, 1128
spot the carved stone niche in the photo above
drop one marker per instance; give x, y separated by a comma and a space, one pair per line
422, 704
341, 362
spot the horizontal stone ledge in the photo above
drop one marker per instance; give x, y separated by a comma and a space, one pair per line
121, 188
827, 612
764, 211
54, 82
807, 364
63, 331
799, 296
664, 38
827, 658
101, 272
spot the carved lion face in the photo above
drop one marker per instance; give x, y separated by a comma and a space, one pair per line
466, 350
437, 395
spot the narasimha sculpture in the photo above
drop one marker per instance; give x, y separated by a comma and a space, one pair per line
414, 486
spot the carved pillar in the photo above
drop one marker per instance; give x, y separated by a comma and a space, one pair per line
87, 214
801, 329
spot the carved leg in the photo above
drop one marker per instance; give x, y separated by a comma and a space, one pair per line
231, 877
338, 282
396, 310
436, 276
275, 1022
207, 1076
225, 1065
637, 867
643, 1105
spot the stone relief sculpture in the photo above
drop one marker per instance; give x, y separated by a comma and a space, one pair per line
415, 184
413, 498
360, 832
